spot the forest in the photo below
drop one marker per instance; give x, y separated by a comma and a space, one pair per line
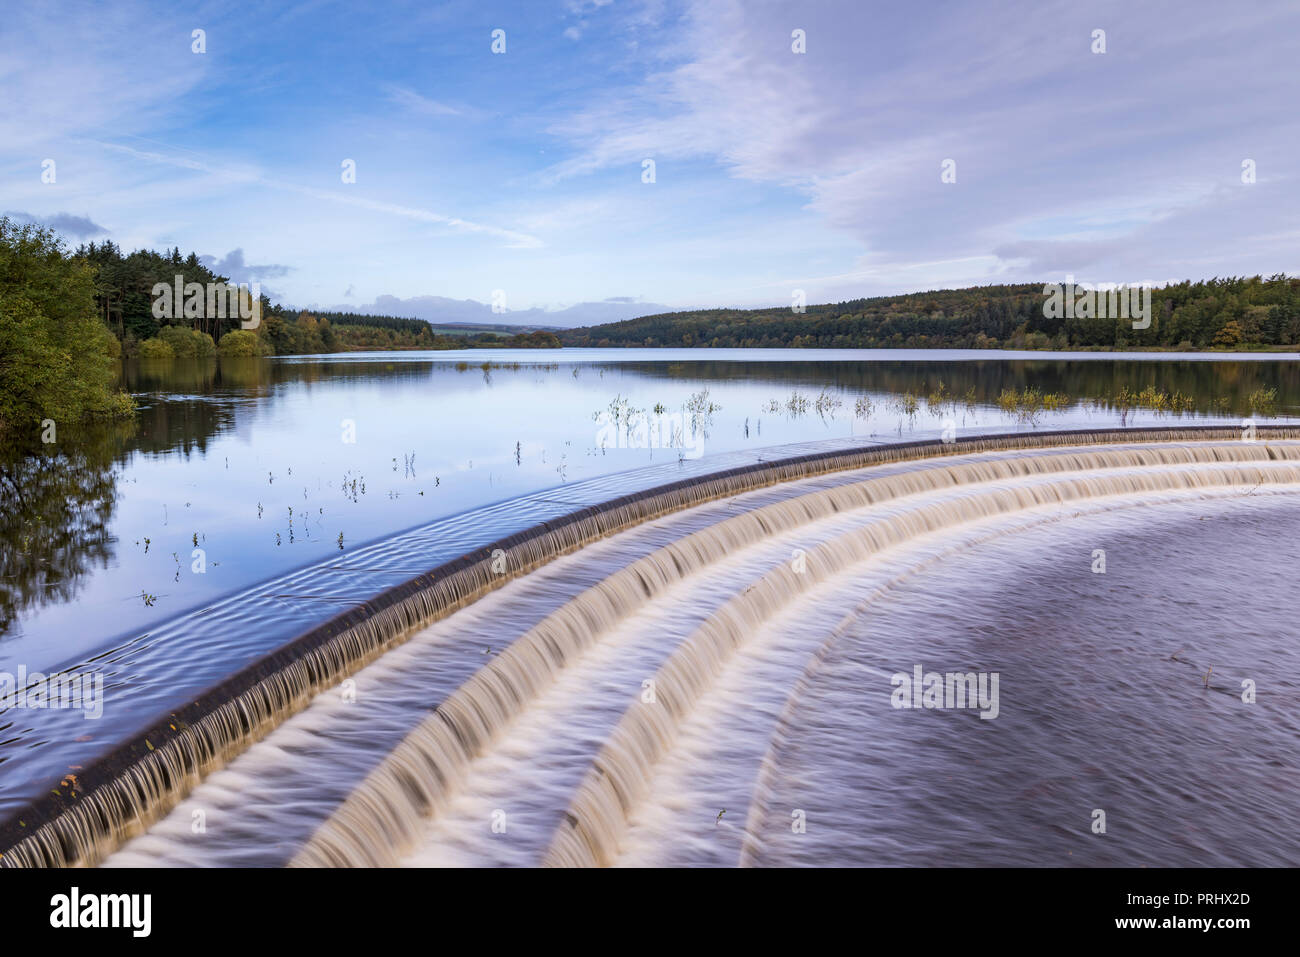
123, 285
1227, 314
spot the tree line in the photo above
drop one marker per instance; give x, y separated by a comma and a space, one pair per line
124, 301
1231, 313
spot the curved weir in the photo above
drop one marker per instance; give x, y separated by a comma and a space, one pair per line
840, 509
622, 773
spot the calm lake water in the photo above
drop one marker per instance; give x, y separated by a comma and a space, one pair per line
251, 468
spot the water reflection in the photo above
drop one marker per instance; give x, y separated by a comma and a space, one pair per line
55, 526
266, 465
1217, 387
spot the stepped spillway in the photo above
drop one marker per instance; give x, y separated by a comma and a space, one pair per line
534, 701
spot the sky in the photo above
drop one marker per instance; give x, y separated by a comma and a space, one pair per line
522, 174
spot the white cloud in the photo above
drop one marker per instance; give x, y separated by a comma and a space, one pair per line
1061, 154
512, 238
420, 105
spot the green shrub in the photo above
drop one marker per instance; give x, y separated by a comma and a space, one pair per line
156, 349
242, 342
204, 347
180, 339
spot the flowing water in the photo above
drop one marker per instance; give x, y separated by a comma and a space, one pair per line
1105, 706
689, 659
736, 657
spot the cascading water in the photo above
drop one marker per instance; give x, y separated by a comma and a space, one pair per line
678, 580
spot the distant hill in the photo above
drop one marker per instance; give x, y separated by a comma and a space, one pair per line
350, 332
458, 313
1215, 313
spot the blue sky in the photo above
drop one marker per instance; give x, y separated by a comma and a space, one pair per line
775, 171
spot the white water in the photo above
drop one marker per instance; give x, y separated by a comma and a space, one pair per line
704, 602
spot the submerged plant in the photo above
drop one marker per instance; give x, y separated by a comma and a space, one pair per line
937, 399
1029, 404
701, 409
827, 403
1263, 401
906, 404
699, 404
1156, 400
